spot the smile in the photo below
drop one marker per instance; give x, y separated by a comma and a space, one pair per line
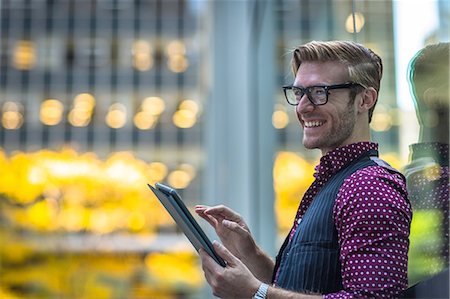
312, 124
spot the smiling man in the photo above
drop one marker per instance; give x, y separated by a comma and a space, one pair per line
349, 238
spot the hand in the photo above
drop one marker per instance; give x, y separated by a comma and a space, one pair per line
233, 281
231, 229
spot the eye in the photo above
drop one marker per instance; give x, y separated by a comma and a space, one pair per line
317, 91
298, 92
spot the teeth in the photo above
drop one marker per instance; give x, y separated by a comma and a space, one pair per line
310, 124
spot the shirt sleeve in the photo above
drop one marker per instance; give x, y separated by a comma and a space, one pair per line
373, 216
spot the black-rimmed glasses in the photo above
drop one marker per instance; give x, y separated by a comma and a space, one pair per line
317, 95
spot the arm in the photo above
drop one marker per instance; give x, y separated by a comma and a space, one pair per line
372, 216
236, 280
235, 235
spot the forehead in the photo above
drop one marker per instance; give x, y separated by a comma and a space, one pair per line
315, 72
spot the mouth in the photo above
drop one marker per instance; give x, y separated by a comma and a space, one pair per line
313, 124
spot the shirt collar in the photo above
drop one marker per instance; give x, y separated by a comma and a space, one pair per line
336, 159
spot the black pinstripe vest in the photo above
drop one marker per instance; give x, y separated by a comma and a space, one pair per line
309, 263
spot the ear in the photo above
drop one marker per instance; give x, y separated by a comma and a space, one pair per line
367, 99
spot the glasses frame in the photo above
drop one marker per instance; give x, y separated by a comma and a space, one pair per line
307, 91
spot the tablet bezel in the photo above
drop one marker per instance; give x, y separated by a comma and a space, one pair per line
172, 202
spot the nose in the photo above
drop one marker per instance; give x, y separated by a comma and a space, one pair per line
304, 106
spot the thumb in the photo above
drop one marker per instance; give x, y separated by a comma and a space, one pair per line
224, 253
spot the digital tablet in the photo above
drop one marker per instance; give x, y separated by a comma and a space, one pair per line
177, 209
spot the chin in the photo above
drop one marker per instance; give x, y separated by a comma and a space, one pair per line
310, 145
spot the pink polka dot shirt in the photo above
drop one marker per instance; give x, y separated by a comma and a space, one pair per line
372, 216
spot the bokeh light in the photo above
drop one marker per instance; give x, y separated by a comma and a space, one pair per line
116, 117
359, 22
186, 114
280, 119
142, 55
12, 115
51, 112
24, 56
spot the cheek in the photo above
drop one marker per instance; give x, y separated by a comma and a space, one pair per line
298, 111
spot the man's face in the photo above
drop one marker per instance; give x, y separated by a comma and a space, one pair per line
332, 125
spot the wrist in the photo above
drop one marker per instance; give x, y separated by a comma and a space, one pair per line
261, 293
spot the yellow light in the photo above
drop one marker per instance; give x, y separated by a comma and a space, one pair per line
101, 222
433, 172
381, 122
78, 181
73, 218
144, 121
173, 269
41, 215
116, 117
24, 57
12, 120
157, 171
12, 106
189, 169
176, 47
79, 118
179, 179
394, 160
290, 167
395, 116
190, 105
136, 221
141, 46
84, 101
359, 22
280, 119
153, 105
142, 62
142, 55
184, 119
12, 117
178, 63
51, 112
83, 107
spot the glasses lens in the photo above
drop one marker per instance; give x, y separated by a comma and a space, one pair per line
318, 95
293, 95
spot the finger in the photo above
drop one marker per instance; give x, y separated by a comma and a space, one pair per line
224, 212
205, 265
211, 220
201, 207
209, 265
200, 210
225, 254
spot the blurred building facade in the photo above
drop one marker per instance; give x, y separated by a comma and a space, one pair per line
192, 89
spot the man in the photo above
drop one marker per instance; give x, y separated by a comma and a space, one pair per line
427, 173
350, 236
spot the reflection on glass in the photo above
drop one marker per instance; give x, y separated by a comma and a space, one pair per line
427, 173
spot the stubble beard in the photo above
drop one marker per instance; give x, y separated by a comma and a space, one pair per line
338, 134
